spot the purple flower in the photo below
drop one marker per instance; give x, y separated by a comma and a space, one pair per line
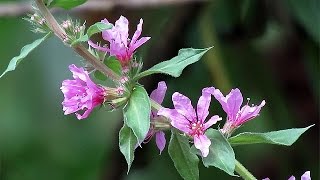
157, 95
305, 176
118, 37
81, 94
184, 118
231, 105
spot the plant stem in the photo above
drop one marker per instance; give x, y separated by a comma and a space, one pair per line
155, 105
243, 172
79, 48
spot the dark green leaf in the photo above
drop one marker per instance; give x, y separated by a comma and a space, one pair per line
14, 62
137, 112
221, 154
184, 160
66, 4
283, 137
114, 64
175, 65
100, 76
127, 143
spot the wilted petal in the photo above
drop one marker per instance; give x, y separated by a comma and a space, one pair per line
177, 120
158, 94
92, 44
234, 101
213, 120
183, 105
160, 140
204, 103
306, 176
202, 142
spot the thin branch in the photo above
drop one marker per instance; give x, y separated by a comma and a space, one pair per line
19, 9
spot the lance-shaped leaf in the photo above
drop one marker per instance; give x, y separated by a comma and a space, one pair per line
174, 66
221, 154
283, 137
127, 143
137, 112
66, 4
93, 29
184, 160
27, 49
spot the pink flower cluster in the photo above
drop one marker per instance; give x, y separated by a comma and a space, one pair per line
118, 37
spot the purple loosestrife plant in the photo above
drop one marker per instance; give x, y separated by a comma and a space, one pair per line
143, 115
231, 104
118, 38
185, 118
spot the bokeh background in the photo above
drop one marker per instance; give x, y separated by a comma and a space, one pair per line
268, 49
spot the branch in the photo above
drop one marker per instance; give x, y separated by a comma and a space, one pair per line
19, 9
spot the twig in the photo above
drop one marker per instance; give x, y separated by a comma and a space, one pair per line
18, 9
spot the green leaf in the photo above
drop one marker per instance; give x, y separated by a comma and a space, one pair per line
66, 4
93, 29
283, 137
184, 160
14, 62
127, 143
137, 112
221, 154
114, 64
100, 76
175, 65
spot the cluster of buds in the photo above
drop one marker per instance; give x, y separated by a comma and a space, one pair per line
38, 23
74, 30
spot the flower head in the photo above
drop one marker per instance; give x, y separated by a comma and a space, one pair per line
231, 105
157, 95
118, 37
81, 93
185, 118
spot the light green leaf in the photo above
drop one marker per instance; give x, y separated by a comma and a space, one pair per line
221, 154
14, 62
66, 4
175, 66
127, 143
184, 160
283, 137
137, 112
114, 64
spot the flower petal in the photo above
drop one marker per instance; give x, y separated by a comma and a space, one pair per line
213, 120
137, 34
292, 178
84, 115
177, 120
160, 140
202, 142
122, 28
158, 94
183, 105
234, 101
138, 43
222, 100
204, 103
306, 176
95, 46
247, 113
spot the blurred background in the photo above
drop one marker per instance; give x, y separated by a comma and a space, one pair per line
268, 49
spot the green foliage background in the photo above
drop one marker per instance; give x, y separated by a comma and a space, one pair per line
270, 50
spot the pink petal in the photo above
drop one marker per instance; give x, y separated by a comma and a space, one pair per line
306, 176
138, 43
158, 94
292, 178
183, 105
234, 101
177, 120
98, 47
202, 142
137, 34
78, 73
122, 27
247, 113
160, 140
265, 179
84, 115
222, 100
204, 103
213, 120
